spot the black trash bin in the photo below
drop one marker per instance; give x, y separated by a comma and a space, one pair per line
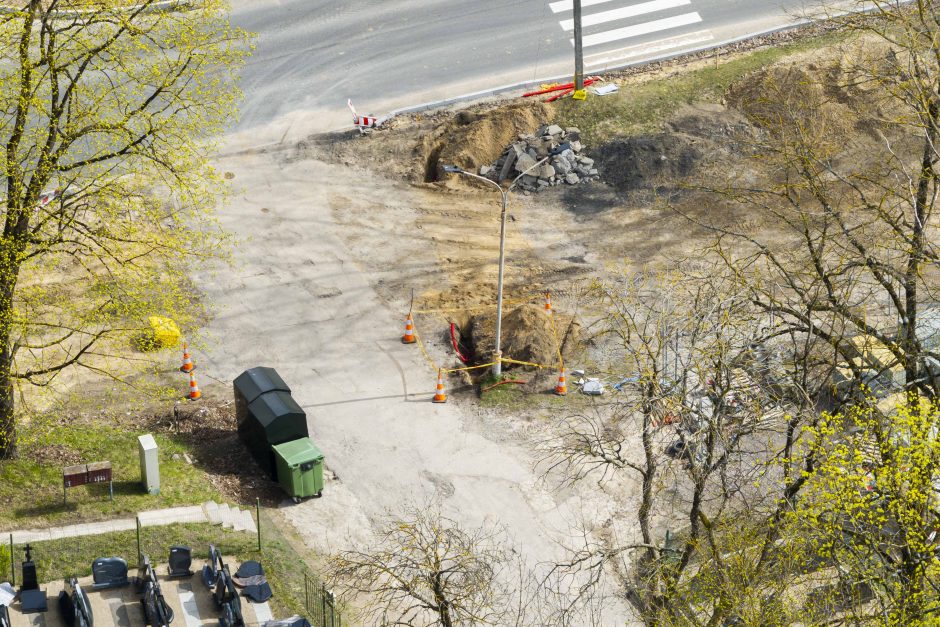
267, 414
251, 384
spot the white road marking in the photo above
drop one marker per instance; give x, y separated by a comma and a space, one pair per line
641, 29
625, 12
190, 608
606, 59
568, 5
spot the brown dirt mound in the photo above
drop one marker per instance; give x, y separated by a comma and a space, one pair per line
475, 138
527, 335
649, 162
828, 96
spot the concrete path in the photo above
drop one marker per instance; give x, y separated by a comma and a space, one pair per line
209, 512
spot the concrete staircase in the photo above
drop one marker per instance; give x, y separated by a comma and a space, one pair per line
229, 517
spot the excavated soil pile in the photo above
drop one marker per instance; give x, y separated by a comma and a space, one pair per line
649, 162
475, 138
526, 336
830, 98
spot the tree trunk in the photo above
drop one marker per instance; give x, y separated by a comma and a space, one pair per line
917, 255
7, 420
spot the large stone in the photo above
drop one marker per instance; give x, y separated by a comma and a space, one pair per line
585, 161
546, 171
573, 130
485, 170
528, 181
562, 166
524, 162
507, 165
554, 129
572, 179
575, 145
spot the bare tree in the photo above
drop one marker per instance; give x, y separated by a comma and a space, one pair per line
425, 569
690, 391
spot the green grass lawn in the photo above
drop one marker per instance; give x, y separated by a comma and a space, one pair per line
32, 491
641, 107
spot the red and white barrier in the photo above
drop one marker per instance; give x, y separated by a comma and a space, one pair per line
364, 123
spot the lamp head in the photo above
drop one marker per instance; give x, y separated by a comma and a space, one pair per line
453, 169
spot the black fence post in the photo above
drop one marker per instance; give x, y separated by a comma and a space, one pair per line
12, 564
323, 603
306, 595
258, 520
139, 554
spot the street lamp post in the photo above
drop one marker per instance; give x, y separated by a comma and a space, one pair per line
504, 193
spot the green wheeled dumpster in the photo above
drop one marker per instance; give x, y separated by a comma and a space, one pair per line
299, 468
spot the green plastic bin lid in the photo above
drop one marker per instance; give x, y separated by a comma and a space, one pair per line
297, 452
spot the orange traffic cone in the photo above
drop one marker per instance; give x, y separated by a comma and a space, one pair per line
409, 336
439, 396
562, 388
188, 365
548, 303
194, 393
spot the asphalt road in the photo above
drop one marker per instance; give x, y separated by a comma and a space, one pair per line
385, 54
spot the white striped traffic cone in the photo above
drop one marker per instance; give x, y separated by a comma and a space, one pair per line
194, 393
548, 303
409, 336
439, 395
562, 388
188, 365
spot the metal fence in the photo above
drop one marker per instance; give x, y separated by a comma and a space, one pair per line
320, 603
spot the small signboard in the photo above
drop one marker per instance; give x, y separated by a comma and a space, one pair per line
73, 476
82, 474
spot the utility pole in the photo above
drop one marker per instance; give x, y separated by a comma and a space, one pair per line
578, 56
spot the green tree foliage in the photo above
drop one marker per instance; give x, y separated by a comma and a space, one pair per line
113, 104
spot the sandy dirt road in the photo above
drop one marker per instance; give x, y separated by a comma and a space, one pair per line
300, 300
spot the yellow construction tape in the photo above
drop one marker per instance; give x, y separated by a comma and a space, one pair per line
469, 367
507, 360
424, 350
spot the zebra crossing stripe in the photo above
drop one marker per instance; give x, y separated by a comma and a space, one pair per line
641, 29
626, 12
568, 5
610, 57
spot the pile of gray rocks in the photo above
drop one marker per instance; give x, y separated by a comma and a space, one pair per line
567, 166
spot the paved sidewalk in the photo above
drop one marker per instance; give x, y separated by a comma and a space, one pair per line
209, 512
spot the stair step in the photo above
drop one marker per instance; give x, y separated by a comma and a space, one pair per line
212, 512
192, 513
225, 514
